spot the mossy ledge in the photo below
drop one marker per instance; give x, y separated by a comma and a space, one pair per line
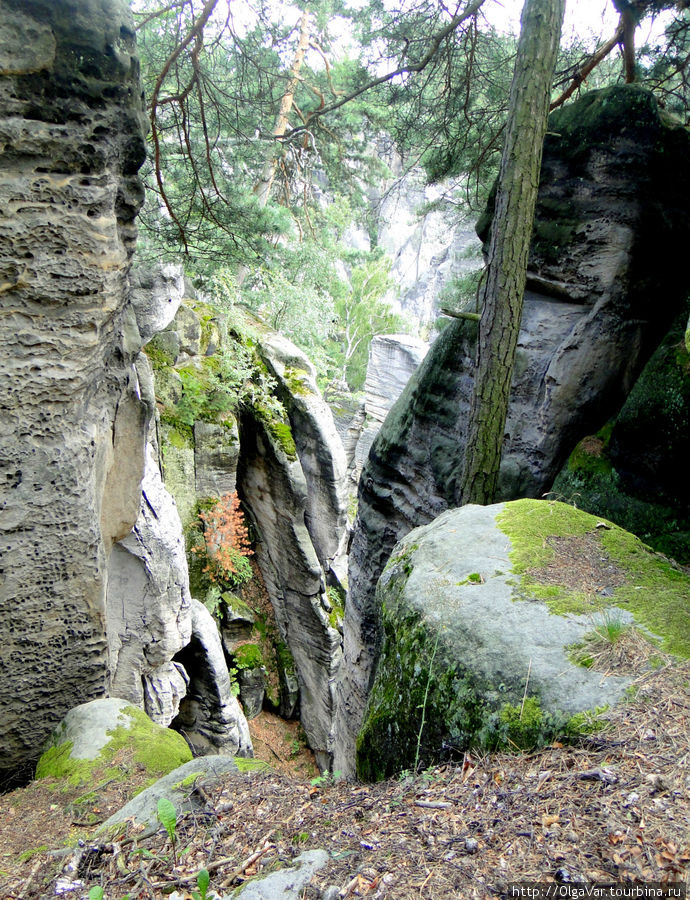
530, 523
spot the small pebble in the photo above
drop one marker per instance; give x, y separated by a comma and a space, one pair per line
471, 845
631, 799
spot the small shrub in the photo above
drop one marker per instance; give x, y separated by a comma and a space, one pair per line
226, 544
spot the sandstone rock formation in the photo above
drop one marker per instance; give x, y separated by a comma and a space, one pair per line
493, 618
73, 423
613, 198
289, 470
635, 469
419, 229
210, 717
271, 480
319, 449
148, 606
393, 359
92, 733
143, 808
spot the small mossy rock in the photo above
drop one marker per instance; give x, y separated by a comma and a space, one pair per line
252, 684
92, 733
485, 660
176, 787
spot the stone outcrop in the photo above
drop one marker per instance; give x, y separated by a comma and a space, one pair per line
91, 734
613, 200
73, 422
287, 463
634, 471
210, 717
418, 228
393, 359
319, 449
142, 810
273, 484
493, 619
148, 606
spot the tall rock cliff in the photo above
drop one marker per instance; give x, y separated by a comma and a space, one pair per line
607, 276
72, 420
240, 410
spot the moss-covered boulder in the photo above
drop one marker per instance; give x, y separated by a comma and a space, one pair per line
104, 732
483, 613
614, 200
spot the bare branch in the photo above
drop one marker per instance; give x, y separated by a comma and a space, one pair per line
160, 12
591, 64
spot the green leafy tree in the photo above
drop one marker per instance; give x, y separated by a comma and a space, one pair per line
362, 313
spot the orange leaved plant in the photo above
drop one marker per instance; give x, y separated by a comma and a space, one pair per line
226, 542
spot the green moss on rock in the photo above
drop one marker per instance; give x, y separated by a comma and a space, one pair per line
159, 750
282, 433
295, 380
248, 656
531, 523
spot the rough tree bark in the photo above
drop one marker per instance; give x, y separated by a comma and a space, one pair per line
511, 230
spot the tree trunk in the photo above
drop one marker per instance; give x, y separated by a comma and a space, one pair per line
262, 188
511, 231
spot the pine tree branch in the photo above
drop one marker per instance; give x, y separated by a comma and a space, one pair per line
434, 46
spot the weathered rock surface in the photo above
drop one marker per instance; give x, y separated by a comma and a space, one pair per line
210, 716
635, 470
73, 422
480, 615
176, 786
319, 448
148, 605
216, 453
289, 883
393, 359
290, 474
156, 294
419, 229
274, 488
613, 200
91, 733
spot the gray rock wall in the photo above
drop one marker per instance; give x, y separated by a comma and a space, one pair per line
418, 228
613, 201
393, 359
275, 491
148, 607
73, 424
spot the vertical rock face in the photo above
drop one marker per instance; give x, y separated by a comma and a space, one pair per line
72, 421
273, 484
319, 449
393, 358
613, 201
148, 605
419, 229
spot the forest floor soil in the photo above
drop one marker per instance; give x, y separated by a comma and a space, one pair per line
614, 808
